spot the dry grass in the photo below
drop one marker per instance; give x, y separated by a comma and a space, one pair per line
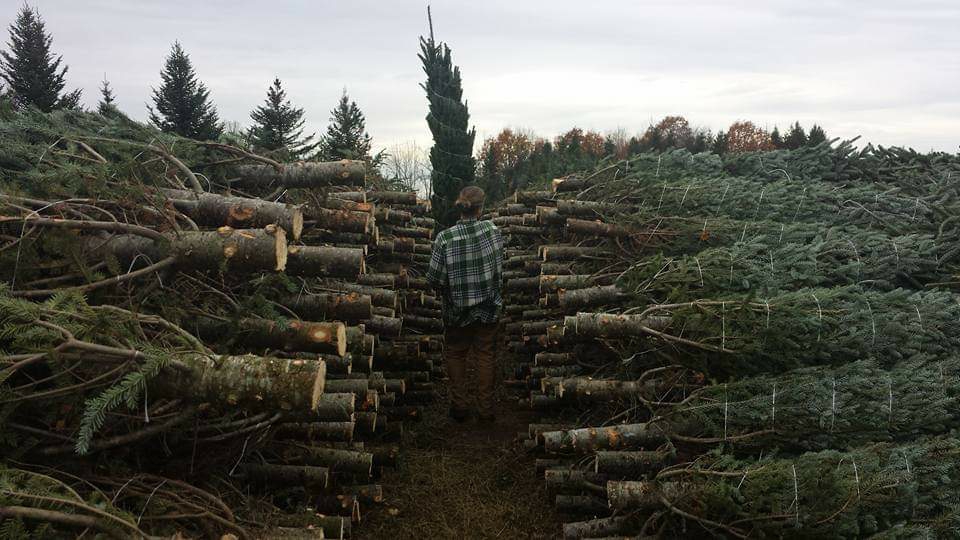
463, 481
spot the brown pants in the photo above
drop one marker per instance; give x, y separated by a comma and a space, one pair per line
471, 366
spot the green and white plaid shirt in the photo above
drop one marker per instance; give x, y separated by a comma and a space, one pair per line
467, 268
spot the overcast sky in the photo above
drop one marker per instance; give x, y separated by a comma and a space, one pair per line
887, 70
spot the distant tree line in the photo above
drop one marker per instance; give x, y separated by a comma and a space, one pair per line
516, 158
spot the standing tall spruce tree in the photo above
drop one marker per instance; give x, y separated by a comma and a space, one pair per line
32, 73
106, 97
182, 103
346, 136
452, 153
278, 126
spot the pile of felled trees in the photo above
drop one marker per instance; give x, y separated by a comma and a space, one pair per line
198, 340
755, 345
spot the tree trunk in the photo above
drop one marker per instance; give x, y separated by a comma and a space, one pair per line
591, 209
384, 326
641, 495
350, 307
314, 261
315, 431
548, 215
595, 528
554, 253
379, 297
590, 297
430, 324
587, 440
598, 228
393, 197
248, 381
631, 464
212, 210
605, 390
287, 474
553, 283
304, 174
339, 220
533, 198
606, 325
336, 460
289, 335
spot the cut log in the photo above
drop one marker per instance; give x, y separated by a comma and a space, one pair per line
590, 297
336, 460
313, 236
379, 297
591, 209
339, 220
565, 480
548, 215
430, 324
354, 196
287, 474
393, 197
631, 464
589, 389
315, 261
304, 174
388, 281
211, 210
251, 382
393, 216
599, 228
605, 325
554, 359
587, 440
315, 431
533, 198
595, 528
553, 283
368, 494
350, 307
560, 252
571, 183
525, 231
289, 335
641, 495
384, 326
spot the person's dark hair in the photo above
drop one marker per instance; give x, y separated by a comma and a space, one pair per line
470, 201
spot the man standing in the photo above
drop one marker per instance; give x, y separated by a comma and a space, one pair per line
466, 267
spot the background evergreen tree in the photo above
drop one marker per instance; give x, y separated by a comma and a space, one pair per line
182, 102
796, 138
278, 126
452, 152
30, 69
817, 136
346, 136
776, 139
719, 146
106, 97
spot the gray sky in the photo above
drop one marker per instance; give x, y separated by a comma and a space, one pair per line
887, 70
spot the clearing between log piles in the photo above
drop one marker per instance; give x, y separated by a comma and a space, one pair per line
463, 481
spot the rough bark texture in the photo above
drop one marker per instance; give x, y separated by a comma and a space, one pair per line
314, 261
349, 307
212, 210
304, 174
289, 335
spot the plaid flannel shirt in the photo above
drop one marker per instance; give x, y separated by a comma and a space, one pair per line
466, 266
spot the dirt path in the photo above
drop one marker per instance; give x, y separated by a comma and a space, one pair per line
463, 481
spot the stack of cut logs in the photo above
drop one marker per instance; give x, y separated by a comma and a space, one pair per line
310, 399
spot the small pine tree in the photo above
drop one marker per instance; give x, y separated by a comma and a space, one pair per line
720, 143
33, 74
182, 102
278, 126
776, 139
817, 136
449, 118
796, 138
346, 136
106, 97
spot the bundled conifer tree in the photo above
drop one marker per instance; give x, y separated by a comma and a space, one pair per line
182, 103
452, 153
278, 126
346, 136
34, 75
